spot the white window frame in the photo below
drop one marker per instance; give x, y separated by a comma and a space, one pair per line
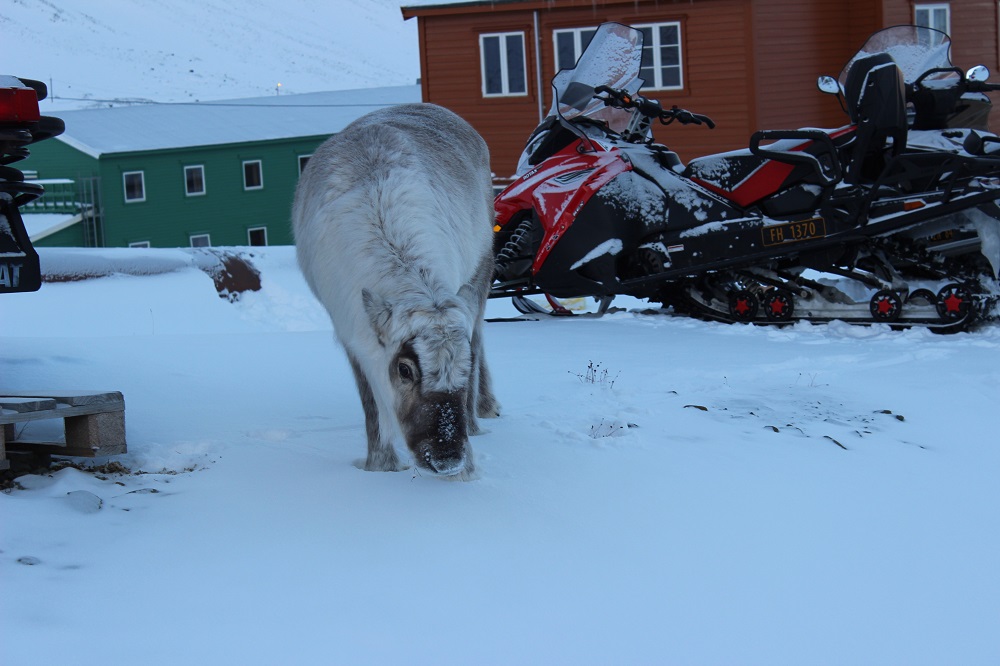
140, 244
260, 171
930, 9
302, 166
142, 183
577, 44
204, 187
657, 82
207, 237
505, 90
253, 229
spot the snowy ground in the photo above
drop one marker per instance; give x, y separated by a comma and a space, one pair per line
109, 53
722, 495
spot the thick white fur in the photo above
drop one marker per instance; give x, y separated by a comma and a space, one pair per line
392, 219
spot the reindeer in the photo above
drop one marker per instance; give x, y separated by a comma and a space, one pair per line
393, 223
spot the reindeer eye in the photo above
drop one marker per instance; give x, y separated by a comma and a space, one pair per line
405, 372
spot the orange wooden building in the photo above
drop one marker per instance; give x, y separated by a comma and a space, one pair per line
748, 64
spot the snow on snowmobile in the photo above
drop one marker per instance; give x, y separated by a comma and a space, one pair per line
21, 124
768, 234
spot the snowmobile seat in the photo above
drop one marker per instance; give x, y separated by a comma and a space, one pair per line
875, 92
794, 158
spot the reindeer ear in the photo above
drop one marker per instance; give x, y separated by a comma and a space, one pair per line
379, 313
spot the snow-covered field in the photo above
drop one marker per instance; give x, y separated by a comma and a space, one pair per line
716, 495
106, 53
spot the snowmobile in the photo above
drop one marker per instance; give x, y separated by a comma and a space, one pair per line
21, 124
805, 224
948, 110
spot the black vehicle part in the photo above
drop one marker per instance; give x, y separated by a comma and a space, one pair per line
779, 306
953, 302
20, 270
20, 126
885, 306
933, 106
514, 252
875, 93
823, 161
743, 305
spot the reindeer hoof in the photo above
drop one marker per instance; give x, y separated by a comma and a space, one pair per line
489, 411
383, 461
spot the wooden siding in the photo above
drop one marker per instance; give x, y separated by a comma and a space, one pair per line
974, 39
168, 217
54, 159
796, 43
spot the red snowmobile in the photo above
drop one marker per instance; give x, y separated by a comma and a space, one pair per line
804, 224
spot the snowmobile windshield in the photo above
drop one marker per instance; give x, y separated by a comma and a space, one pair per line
613, 59
916, 50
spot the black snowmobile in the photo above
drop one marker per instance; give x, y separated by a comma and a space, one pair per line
21, 124
804, 224
948, 111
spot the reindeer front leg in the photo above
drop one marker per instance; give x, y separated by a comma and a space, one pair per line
381, 453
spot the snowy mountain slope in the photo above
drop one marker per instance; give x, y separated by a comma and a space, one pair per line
189, 50
723, 495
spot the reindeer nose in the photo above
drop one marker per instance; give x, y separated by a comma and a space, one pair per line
446, 463
448, 466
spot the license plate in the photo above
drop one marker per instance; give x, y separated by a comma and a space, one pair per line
792, 232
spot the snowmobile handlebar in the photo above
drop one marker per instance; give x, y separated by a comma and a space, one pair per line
981, 86
685, 117
651, 108
965, 84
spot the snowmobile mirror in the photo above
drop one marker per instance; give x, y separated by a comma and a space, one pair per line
978, 73
829, 85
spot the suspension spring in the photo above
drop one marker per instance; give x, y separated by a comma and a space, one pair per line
517, 243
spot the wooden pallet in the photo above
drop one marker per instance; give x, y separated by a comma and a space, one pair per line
93, 423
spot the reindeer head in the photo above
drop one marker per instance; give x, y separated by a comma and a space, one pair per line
430, 364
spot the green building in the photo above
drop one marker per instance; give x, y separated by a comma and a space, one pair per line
176, 175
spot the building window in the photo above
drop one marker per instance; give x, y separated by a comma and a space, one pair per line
503, 66
200, 240
135, 186
303, 161
661, 56
253, 175
139, 244
257, 236
194, 180
570, 45
937, 16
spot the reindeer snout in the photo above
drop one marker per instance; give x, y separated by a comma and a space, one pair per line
442, 445
446, 466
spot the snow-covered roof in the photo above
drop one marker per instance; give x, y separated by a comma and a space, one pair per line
40, 225
145, 127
